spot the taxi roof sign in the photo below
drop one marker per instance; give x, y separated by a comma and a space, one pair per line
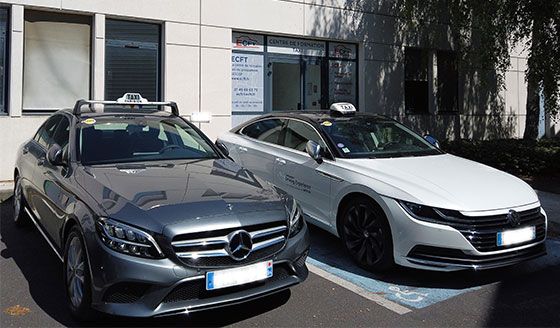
343, 108
132, 98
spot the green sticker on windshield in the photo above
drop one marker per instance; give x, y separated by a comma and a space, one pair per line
89, 121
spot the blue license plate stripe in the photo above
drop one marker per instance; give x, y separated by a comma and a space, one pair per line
210, 280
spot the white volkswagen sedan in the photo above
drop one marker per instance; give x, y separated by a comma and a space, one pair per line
391, 195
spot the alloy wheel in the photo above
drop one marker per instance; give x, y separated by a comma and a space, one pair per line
75, 275
17, 201
364, 235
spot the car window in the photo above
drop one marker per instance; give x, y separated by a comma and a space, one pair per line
266, 130
62, 133
298, 133
44, 135
133, 139
367, 137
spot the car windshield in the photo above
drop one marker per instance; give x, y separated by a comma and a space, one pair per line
370, 137
107, 140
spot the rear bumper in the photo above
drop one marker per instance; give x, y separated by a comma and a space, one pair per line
134, 287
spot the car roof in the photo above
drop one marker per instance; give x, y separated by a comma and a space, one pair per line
318, 116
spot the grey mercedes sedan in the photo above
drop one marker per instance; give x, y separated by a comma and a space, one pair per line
148, 217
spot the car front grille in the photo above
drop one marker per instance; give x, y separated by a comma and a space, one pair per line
481, 232
208, 249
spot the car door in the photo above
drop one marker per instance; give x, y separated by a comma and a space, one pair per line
37, 151
300, 175
54, 193
257, 145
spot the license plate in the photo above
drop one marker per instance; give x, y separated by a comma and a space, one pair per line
511, 237
238, 276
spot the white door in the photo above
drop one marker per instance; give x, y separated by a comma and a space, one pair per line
254, 150
297, 173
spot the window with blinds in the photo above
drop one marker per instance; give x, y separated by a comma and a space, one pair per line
56, 61
132, 59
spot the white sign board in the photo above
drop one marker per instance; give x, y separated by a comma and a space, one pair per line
296, 46
247, 42
247, 81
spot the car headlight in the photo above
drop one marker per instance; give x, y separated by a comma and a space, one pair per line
431, 214
296, 219
126, 239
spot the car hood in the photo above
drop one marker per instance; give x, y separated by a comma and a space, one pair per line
445, 181
192, 195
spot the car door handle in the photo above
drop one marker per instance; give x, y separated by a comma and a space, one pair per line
280, 161
242, 149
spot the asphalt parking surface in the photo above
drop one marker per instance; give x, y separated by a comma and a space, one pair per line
341, 294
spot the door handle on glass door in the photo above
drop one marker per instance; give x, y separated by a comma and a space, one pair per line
242, 149
41, 161
281, 161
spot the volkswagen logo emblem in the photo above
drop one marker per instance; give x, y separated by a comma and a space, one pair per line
513, 218
239, 245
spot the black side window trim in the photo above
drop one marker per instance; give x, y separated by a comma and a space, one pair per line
36, 137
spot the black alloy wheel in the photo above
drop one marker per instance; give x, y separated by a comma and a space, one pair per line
366, 234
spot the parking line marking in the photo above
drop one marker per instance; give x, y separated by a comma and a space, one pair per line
395, 307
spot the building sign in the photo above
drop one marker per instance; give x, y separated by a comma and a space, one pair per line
342, 81
247, 83
342, 50
298, 47
247, 42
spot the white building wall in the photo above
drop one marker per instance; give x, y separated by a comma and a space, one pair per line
197, 58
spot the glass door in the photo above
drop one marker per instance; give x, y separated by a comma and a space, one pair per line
295, 83
284, 76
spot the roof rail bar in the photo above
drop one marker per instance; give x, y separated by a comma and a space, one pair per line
127, 99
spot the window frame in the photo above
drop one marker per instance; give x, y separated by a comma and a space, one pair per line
160, 69
440, 90
4, 108
424, 57
41, 111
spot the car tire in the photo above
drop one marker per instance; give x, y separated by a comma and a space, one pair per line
21, 218
366, 234
77, 279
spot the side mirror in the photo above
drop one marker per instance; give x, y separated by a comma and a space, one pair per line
432, 140
55, 155
222, 147
315, 151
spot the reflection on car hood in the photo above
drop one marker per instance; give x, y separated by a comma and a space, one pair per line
157, 195
445, 181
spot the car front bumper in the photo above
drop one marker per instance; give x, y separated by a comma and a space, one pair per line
425, 245
136, 287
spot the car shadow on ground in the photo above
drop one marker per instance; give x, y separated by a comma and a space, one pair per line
329, 249
43, 272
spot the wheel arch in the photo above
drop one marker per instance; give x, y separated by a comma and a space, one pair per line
360, 191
